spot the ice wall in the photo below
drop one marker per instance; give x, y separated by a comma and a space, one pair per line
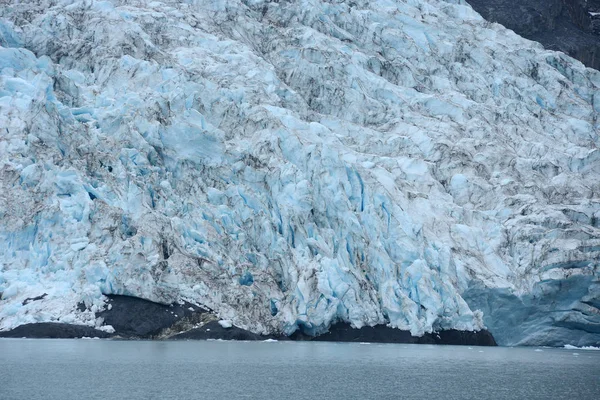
292, 164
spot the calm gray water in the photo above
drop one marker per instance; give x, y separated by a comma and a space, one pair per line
103, 369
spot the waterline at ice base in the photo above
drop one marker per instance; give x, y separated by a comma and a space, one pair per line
296, 165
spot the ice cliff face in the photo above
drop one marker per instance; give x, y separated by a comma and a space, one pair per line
295, 163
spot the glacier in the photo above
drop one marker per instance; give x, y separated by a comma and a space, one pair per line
292, 164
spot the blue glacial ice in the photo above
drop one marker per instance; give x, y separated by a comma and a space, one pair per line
294, 164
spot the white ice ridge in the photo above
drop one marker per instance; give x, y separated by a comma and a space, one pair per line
290, 163
571, 347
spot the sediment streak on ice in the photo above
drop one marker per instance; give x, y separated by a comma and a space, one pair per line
290, 164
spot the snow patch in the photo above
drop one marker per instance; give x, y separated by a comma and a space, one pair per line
225, 323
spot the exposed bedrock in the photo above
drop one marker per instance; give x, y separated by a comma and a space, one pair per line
214, 330
384, 334
133, 317
53, 330
571, 26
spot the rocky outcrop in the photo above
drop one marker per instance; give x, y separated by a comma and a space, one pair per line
570, 26
214, 330
53, 330
384, 334
132, 317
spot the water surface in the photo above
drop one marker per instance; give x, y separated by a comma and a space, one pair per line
105, 369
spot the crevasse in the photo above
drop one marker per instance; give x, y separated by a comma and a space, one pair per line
294, 164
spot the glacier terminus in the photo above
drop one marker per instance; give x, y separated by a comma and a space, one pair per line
294, 164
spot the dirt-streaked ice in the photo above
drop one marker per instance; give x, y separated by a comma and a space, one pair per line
290, 164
